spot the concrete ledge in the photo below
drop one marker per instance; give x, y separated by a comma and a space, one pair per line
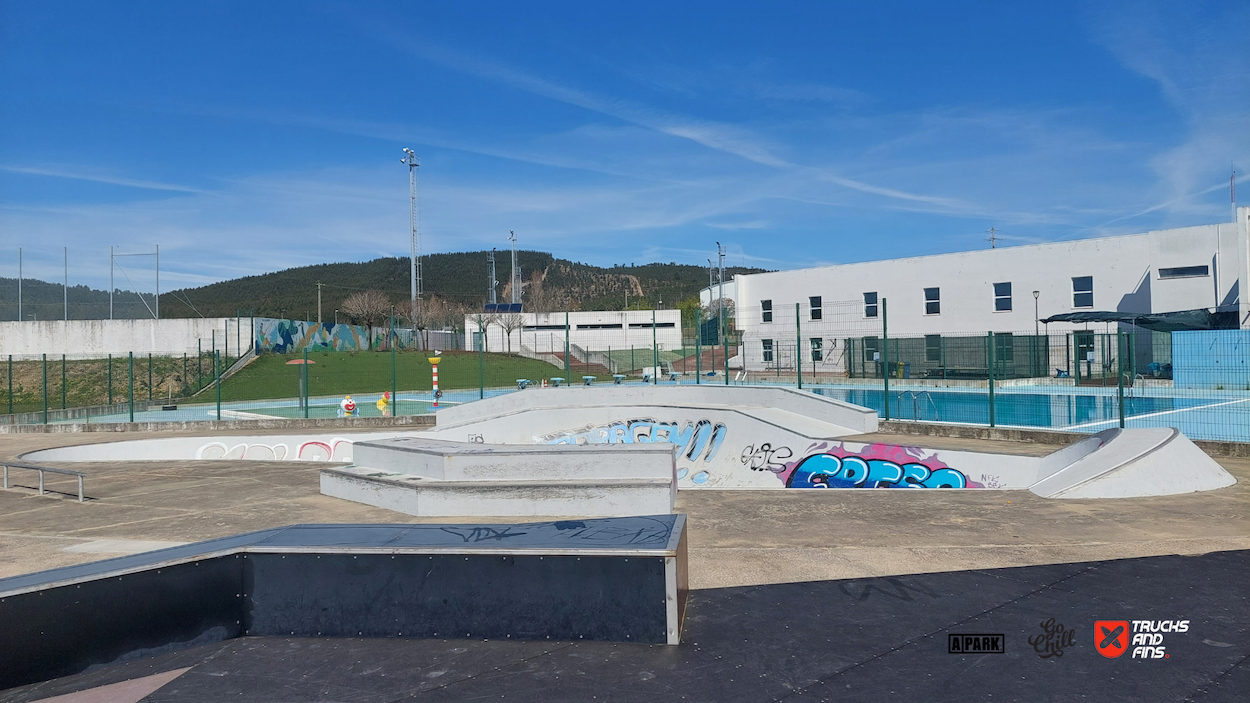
619, 580
462, 461
1232, 450
227, 425
543, 498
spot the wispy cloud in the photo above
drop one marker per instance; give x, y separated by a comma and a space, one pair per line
100, 178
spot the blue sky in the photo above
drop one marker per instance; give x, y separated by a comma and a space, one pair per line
249, 137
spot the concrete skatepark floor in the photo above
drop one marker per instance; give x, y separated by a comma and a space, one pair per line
763, 560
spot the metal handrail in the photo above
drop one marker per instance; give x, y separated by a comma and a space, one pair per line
42, 470
915, 403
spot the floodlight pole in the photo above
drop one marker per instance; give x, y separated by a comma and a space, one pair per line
414, 263
65, 285
110, 282
158, 281
19, 285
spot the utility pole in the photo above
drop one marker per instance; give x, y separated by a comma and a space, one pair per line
65, 288
720, 304
158, 281
516, 292
19, 286
414, 260
992, 239
111, 282
491, 281
319, 284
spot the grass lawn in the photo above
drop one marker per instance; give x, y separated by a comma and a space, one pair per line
336, 373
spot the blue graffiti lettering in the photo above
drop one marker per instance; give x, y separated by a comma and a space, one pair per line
828, 471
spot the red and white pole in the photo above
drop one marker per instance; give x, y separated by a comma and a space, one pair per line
434, 374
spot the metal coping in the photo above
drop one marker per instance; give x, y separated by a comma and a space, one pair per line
649, 535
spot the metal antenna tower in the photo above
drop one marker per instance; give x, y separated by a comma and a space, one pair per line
1232, 193
992, 239
414, 261
490, 258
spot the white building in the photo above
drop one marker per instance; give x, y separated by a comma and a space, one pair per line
999, 290
596, 331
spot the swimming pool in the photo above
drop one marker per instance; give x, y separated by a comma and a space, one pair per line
1221, 416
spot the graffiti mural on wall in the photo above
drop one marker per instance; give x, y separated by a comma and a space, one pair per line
285, 336
337, 449
832, 465
699, 441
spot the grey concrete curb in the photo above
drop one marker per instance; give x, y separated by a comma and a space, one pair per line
926, 429
215, 425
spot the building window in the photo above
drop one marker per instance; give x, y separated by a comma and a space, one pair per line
814, 302
818, 349
1084, 342
766, 309
1185, 272
932, 301
872, 349
933, 347
1082, 291
870, 304
1004, 347
768, 350
1002, 297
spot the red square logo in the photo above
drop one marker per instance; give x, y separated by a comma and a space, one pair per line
1111, 637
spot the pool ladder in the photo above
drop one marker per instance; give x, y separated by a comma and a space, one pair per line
915, 403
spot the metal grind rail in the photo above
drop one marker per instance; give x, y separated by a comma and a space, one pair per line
42, 470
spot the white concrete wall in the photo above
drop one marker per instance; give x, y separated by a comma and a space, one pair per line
1125, 271
98, 338
590, 330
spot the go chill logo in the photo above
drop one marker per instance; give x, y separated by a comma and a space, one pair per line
1112, 637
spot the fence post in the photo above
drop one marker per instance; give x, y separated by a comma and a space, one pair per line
885, 355
655, 354
1119, 358
199, 364
991, 356
217, 373
307, 381
481, 377
10, 384
724, 324
45, 391
131, 372
149, 375
64, 394
798, 345
698, 346
568, 374
110, 374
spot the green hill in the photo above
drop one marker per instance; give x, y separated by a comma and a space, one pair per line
458, 281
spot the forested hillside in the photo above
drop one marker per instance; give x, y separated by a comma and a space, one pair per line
456, 281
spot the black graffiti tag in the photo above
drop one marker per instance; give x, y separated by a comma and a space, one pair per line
766, 458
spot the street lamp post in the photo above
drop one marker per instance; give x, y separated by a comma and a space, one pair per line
1035, 315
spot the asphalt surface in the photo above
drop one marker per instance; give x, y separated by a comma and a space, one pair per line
847, 640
